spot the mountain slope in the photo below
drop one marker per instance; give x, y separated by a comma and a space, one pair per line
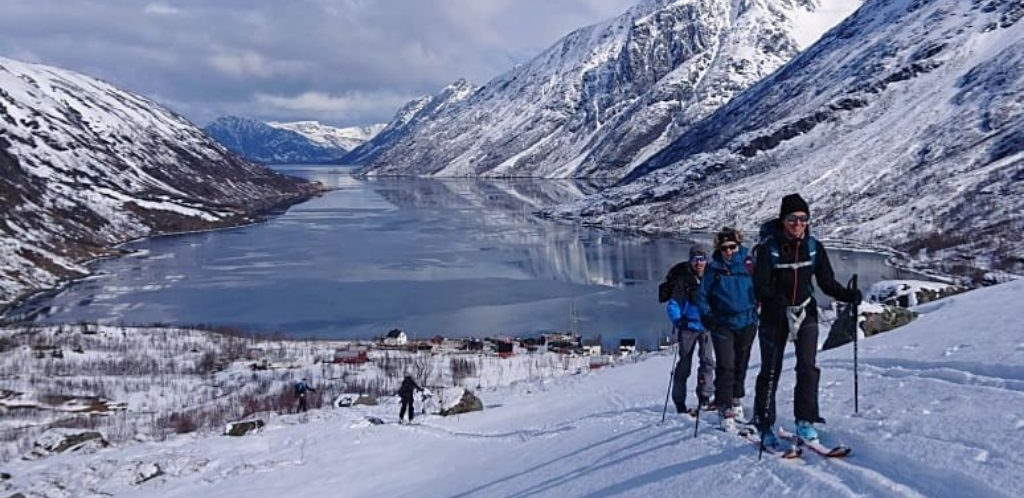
901, 127
415, 114
85, 166
346, 139
607, 96
261, 142
600, 433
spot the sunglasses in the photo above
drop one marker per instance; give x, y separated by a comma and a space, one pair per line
794, 218
729, 247
699, 259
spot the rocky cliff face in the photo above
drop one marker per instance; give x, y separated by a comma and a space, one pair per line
606, 97
85, 166
902, 127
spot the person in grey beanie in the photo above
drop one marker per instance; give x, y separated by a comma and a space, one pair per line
681, 284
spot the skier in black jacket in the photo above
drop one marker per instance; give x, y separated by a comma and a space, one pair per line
786, 260
679, 289
405, 392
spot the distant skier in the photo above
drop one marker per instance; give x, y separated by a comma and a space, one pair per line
301, 388
405, 392
786, 259
679, 290
729, 310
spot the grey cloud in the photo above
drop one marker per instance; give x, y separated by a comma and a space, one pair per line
344, 62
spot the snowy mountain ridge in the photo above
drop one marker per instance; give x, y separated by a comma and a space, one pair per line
606, 97
260, 142
901, 127
414, 114
86, 166
331, 136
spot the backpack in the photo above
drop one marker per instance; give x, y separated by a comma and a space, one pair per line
665, 288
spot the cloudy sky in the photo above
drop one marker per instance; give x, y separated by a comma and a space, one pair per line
344, 62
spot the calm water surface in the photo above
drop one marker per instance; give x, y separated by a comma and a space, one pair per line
451, 257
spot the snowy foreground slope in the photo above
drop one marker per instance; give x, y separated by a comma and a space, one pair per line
85, 166
607, 96
901, 126
941, 414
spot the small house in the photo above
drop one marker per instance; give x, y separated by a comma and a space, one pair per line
591, 347
504, 349
627, 346
395, 337
351, 356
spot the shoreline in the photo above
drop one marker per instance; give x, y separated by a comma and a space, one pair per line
116, 251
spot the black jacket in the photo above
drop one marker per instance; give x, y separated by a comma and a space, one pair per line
683, 283
408, 386
777, 288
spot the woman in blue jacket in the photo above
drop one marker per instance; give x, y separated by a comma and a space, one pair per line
729, 309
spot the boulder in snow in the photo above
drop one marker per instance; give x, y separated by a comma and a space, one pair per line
144, 472
375, 420
909, 293
346, 400
462, 402
883, 318
243, 428
60, 440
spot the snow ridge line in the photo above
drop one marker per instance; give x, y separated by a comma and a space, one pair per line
952, 372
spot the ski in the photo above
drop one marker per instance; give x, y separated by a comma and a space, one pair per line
793, 451
815, 445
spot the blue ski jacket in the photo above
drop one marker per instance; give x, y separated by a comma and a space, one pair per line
726, 294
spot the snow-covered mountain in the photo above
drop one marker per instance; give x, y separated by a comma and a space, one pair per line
346, 139
902, 127
416, 114
606, 97
85, 166
260, 142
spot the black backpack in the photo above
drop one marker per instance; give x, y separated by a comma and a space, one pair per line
665, 288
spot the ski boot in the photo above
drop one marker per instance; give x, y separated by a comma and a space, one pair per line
737, 408
769, 439
727, 421
805, 430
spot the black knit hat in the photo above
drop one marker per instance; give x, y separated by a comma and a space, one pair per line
793, 203
728, 234
696, 250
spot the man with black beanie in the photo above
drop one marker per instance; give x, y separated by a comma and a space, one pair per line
786, 261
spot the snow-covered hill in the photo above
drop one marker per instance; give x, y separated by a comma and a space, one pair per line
901, 126
265, 143
85, 166
606, 97
941, 414
346, 139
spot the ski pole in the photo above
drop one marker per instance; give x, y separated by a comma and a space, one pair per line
671, 380
856, 330
696, 423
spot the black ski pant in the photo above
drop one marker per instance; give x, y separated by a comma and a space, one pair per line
302, 403
406, 407
690, 340
732, 355
772, 336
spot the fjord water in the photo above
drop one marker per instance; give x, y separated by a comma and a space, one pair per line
456, 257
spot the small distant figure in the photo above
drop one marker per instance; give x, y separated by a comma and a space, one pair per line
406, 392
301, 388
